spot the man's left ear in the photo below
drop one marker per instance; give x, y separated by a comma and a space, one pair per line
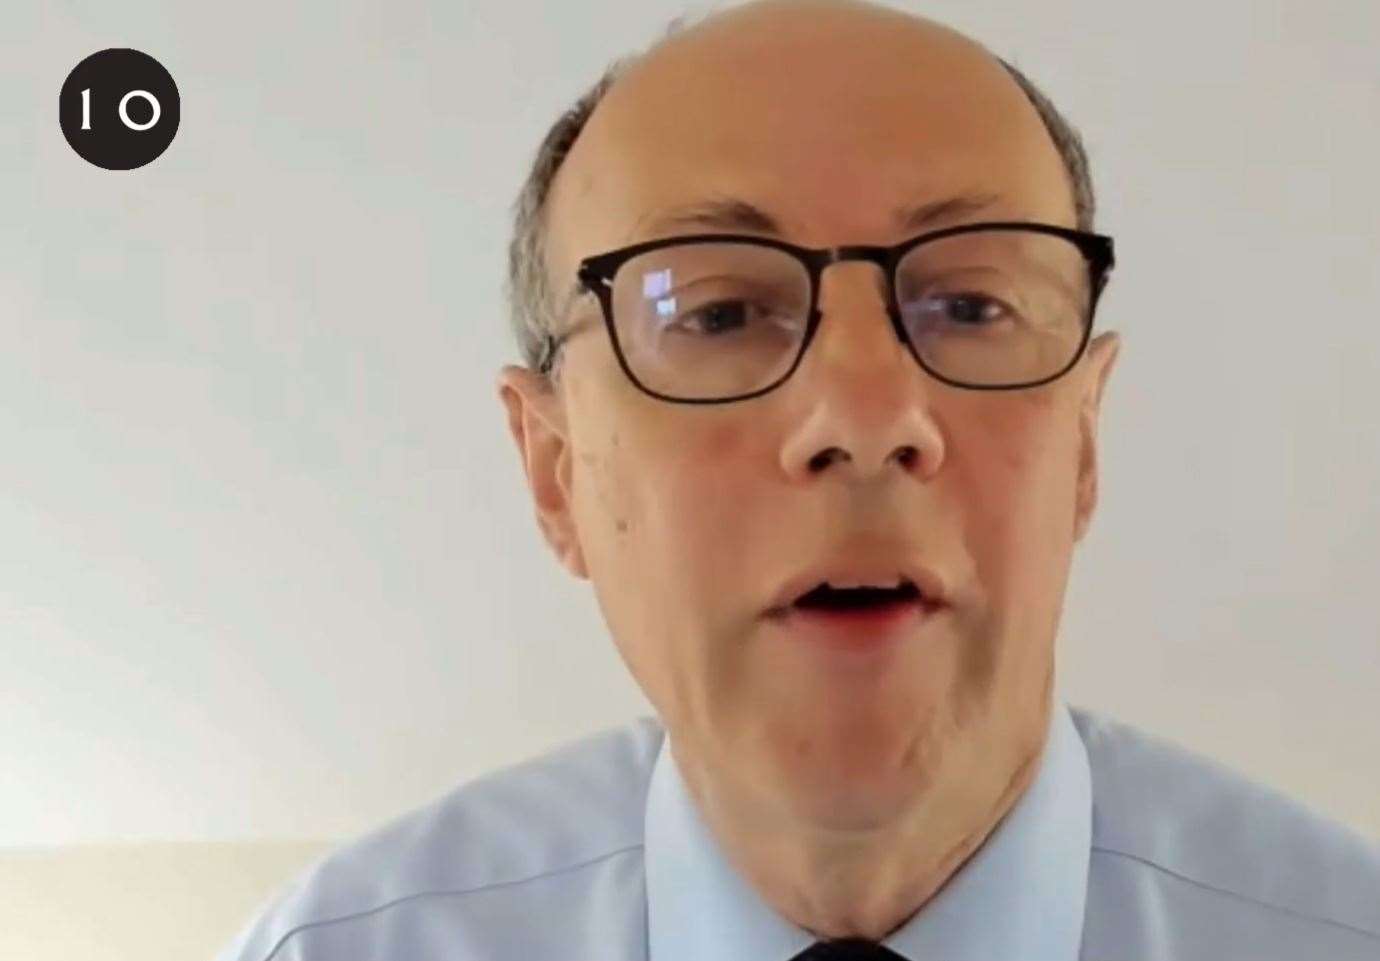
1101, 358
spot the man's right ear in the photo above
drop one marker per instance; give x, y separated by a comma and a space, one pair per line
536, 419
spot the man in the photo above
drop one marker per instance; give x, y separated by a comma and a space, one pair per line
805, 295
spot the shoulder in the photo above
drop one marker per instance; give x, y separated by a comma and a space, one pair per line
575, 806
1193, 835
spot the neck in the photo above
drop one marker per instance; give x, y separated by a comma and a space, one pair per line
865, 884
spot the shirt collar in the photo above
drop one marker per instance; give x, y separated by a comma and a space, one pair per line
1021, 894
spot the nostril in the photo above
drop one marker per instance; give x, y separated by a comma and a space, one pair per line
824, 458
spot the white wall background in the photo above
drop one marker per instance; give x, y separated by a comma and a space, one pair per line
268, 566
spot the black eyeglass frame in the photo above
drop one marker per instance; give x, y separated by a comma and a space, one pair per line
595, 274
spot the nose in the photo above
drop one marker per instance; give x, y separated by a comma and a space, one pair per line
850, 276
867, 401
855, 324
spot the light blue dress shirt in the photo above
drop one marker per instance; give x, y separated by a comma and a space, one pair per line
1125, 847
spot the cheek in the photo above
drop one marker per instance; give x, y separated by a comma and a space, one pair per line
719, 534
664, 527
704, 507
605, 502
615, 517
660, 508
1018, 481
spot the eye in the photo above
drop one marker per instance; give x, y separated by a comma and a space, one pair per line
966, 310
958, 310
717, 317
729, 316
971, 309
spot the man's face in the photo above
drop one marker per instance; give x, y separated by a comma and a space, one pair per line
689, 518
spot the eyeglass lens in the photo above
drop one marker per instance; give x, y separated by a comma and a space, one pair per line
719, 319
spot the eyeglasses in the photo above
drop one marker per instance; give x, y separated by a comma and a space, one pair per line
715, 318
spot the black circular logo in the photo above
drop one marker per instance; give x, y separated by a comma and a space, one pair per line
119, 109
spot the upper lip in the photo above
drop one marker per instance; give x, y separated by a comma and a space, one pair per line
874, 568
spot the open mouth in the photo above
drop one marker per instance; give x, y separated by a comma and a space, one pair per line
826, 598
860, 620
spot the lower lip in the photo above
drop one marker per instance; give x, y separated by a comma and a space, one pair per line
864, 629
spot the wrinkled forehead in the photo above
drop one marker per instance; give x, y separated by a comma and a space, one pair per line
828, 130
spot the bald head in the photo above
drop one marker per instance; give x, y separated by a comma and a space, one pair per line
843, 23
839, 107
792, 52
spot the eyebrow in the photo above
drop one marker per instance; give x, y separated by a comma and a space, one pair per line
733, 213
728, 213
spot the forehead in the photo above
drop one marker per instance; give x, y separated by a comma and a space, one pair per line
830, 124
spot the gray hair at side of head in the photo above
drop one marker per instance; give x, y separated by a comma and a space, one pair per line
528, 289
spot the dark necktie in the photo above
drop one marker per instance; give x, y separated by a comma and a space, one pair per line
848, 949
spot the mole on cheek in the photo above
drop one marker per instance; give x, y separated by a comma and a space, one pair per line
1015, 458
620, 524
